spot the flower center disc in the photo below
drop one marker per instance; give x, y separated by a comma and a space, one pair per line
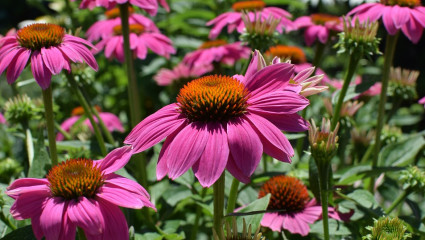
115, 12
79, 111
39, 35
75, 178
403, 3
213, 98
296, 54
211, 44
134, 28
248, 6
287, 193
321, 19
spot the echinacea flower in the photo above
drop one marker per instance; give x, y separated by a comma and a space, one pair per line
387, 228
290, 206
422, 101
218, 51
141, 39
374, 90
405, 15
222, 122
318, 27
150, 6
112, 122
49, 48
79, 193
180, 73
402, 84
348, 108
256, 9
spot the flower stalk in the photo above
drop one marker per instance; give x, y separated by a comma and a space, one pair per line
233, 196
48, 108
218, 188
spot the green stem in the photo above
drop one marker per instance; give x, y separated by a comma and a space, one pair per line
6, 220
88, 112
103, 127
398, 201
133, 93
64, 133
300, 141
218, 203
367, 154
30, 145
390, 46
195, 228
81, 235
352, 65
48, 108
233, 196
323, 181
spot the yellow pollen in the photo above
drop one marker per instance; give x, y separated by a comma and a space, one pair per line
115, 12
75, 178
211, 44
296, 54
39, 35
403, 3
213, 98
248, 6
79, 111
321, 19
134, 28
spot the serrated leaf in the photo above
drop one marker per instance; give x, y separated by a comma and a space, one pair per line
401, 153
363, 198
41, 159
353, 174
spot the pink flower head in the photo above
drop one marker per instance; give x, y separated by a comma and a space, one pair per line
256, 9
374, 90
11, 32
216, 51
409, 16
318, 27
222, 122
180, 73
49, 48
290, 206
2, 119
142, 37
337, 84
112, 122
422, 101
79, 193
150, 6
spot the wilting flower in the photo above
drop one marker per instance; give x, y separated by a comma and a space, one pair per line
180, 73
79, 193
105, 28
223, 122
233, 234
387, 228
290, 206
141, 38
150, 6
256, 9
402, 84
112, 122
318, 27
409, 16
49, 48
218, 51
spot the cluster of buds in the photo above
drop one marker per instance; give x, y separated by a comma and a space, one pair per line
259, 34
390, 134
387, 228
20, 110
323, 141
402, 84
347, 112
232, 232
359, 38
413, 179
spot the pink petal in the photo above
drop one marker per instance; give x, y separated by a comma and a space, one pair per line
256, 64
270, 218
27, 182
287, 122
245, 145
213, 160
186, 148
86, 214
278, 102
388, 21
36, 227
7, 57
53, 59
295, 225
51, 218
40, 72
29, 204
413, 30
310, 34
115, 222
119, 196
17, 65
69, 229
236, 171
115, 160
400, 15
127, 184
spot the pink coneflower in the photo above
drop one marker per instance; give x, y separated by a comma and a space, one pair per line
407, 15
290, 206
337, 84
217, 51
105, 28
49, 48
256, 9
141, 39
318, 27
374, 90
422, 101
150, 6
223, 122
180, 73
112, 122
79, 193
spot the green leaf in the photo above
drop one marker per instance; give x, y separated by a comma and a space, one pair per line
363, 198
401, 153
313, 178
41, 159
353, 174
335, 228
175, 194
23, 233
253, 219
353, 91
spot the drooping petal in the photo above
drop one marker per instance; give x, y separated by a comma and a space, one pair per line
86, 214
269, 220
29, 204
53, 59
17, 65
40, 72
295, 225
115, 160
127, 184
51, 219
287, 122
236, 171
120, 197
115, 222
213, 160
257, 63
413, 30
387, 18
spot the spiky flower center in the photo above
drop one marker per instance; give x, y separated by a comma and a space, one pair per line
321, 19
389, 228
287, 193
248, 6
39, 35
115, 12
79, 111
213, 98
296, 54
134, 28
211, 44
75, 178
403, 3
